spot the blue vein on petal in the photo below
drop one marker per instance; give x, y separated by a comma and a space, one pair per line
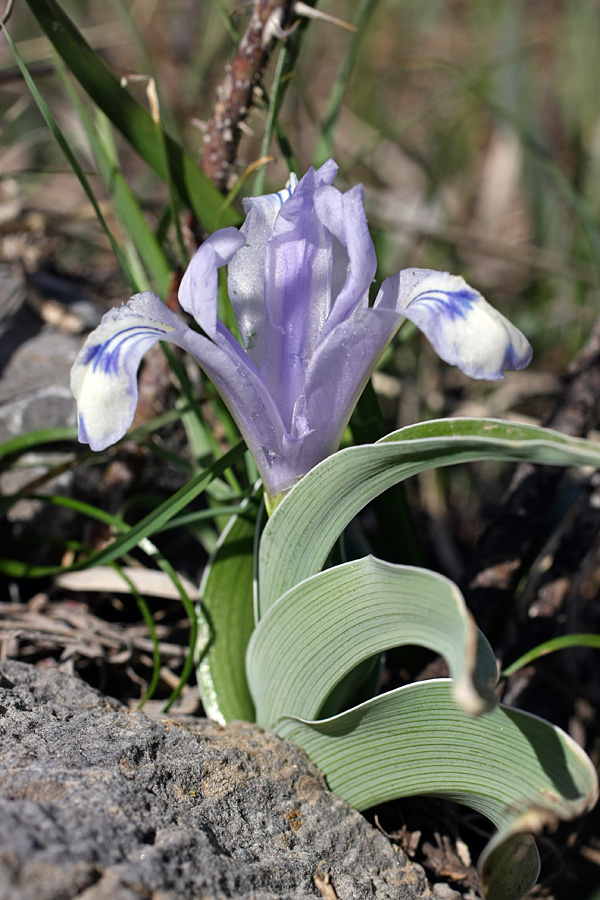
512, 359
453, 304
288, 190
83, 435
101, 355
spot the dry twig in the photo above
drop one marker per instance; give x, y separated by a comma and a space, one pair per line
235, 93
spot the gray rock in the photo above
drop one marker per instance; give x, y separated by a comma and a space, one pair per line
101, 803
36, 355
34, 389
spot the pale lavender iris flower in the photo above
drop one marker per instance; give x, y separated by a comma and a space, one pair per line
299, 272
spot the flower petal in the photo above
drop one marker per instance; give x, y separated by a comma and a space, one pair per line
246, 273
461, 325
104, 375
344, 216
336, 378
259, 314
245, 394
297, 272
264, 209
198, 291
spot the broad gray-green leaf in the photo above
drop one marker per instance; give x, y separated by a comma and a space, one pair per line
308, 521
516, 769
322, 628
226, 619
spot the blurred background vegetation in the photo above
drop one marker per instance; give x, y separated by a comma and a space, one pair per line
475, 129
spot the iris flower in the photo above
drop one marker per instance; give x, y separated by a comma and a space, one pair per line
299, 272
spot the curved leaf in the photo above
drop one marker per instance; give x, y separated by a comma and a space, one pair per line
324, 627
226, 619
563, 642
516, 769
307, 522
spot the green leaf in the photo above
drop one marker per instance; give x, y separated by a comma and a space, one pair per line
127, 208
325, 626
516, 769
24, 442
308, 521
551, 646
274, 102
131, 119
326, 144
147, 616
397, 536
226, 617
151, 550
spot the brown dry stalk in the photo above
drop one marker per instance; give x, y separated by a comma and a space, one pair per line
235, 93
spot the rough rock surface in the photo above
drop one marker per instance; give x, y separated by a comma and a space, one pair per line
100, 803
36, 357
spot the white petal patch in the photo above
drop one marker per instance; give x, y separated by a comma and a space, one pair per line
464, 329
104, 375
268, 205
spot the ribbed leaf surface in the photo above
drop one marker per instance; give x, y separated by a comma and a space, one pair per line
306, 524
324, 627
516, 769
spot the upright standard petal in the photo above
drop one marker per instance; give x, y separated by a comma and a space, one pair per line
463, 328
296, 293
104, 375
344, 216
199, 286
246, 273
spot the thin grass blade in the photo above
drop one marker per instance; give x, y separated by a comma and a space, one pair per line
44, 436
149, 621
135, 535
70, 156
560, 643
126, 206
